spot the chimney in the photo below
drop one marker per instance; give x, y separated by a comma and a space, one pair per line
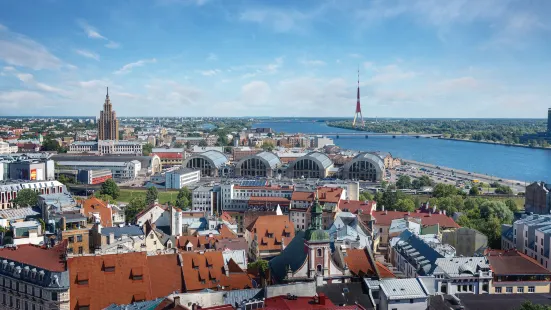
386, 212
176, 301
434, 209
444, 212
63, 224
382, 207
111, 238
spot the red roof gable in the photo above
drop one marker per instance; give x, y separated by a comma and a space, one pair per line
325, 194
50, 259
169, 155
354, 206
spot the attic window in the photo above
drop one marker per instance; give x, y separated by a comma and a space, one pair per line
83, 303
270, 235
137, 273
108, 265
138, 297
82, 278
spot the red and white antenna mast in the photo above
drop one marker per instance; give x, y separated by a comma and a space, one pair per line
358, 106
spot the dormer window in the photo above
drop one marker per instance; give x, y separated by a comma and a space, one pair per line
108, 266
137, 273
41, 275
82, 278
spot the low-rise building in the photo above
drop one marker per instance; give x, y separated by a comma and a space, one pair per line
205, 199
120, 170
538, 198
34, 277
9, 190
530, 235
177, 179
94, 176
459, 275
516, 273
28, 232
403, 294
107, 147
170, 156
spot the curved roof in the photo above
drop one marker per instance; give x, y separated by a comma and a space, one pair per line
215, 157
268, 158
376, 160
321, 158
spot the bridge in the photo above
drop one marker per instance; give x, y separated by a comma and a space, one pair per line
371, 134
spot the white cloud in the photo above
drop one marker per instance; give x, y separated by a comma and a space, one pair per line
19, 99
457, 84
273, 67
87, 54
112, 45
212, 57
212, 72
25, 77
93, 84
90, 31
48, 88
354, 55
128, 67
313, 62
21, 51
255, 92
184, 2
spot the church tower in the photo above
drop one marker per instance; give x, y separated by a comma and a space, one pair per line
108, 125
316, 241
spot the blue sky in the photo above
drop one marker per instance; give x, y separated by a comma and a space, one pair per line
422, 58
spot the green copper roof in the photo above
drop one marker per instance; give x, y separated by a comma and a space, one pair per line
316, 235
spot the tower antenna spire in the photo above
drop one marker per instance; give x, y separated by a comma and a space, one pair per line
107, 92
358, 107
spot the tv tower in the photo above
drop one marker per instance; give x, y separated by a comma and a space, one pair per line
358, 107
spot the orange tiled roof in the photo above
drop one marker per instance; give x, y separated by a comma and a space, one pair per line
122, 278
384, 272
206, 271
325, 194
354, 206
41, 257
95, 205
277, 226
359, 262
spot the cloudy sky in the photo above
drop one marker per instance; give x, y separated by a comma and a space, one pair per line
422, 58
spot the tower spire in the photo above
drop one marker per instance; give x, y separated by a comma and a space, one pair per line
358, 107
107, 96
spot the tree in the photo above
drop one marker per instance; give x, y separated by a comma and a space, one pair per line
178, 145
25, 198
512, 205
365, 196
262, 267
203, 143
50, 145
405, 205
504, 189
110, 188
497, 209
444, 190
104, 197
147, 149
183, 200
268, 146
424, 181
528, 305
474, 191
65, 179
416, 184
151, 195
135, 206
404, 181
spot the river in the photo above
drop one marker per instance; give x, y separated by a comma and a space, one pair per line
508, 162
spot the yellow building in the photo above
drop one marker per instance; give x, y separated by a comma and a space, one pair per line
516, 273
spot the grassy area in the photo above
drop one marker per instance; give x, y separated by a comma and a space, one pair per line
164, 196
518, 199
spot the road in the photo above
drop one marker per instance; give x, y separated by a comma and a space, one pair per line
444, 175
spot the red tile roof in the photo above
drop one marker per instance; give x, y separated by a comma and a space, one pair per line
276, 225
427, 219
227, 217
95, 205
49, 259
206, 271
384, 272
122, 278
354, 206
513, 262
325, 194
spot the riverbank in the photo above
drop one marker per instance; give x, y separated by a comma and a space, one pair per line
498, 143
516, 185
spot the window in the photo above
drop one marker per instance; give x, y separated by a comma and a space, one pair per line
509, 289
71, 239
80, 250
79, 238
498, 289
319, 253
151, 236
411, 301
520, 289
531, 289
